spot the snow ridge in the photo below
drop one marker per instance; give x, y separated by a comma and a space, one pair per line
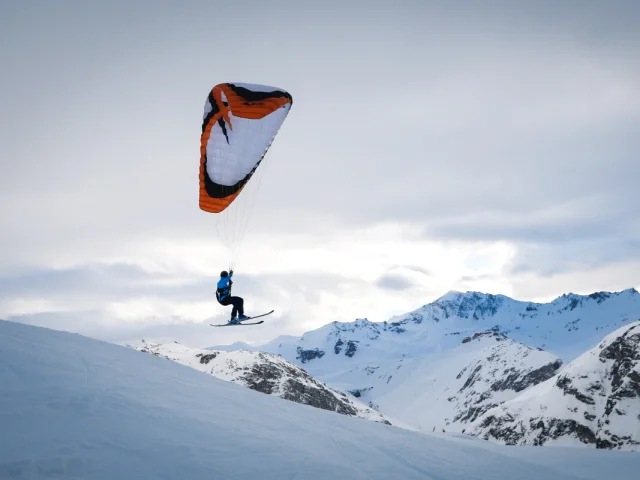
451, 390
504, 369
264, 373
594, 401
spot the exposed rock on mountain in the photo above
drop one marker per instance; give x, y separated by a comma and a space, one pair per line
595, 401
267, 374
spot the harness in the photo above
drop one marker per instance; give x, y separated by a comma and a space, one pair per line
224, 292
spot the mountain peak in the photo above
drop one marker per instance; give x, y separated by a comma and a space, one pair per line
450, 296
600, 296
469, 304
456, 296
358, 322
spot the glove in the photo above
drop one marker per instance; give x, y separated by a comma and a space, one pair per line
230, 272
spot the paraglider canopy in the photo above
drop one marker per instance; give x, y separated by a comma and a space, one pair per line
239, 124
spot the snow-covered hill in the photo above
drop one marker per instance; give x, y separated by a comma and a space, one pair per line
265, 373
595, 400
73, 407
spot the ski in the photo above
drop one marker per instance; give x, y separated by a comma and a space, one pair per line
240, 322
257, 316
237, 324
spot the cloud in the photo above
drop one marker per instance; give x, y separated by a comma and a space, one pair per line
306, 286
429, 148
394, 282
576, 256
404, 278
506, 125
118, 302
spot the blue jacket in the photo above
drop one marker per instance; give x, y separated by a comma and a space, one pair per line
224, 288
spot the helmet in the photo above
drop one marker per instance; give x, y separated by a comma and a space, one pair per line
224, 274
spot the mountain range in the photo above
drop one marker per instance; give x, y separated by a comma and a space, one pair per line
457, 363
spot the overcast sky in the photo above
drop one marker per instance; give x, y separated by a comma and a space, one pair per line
431, 146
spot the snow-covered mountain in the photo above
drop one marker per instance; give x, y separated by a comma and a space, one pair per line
73, 407
450, 390
265, 373
567, 326
595, 400
445, 364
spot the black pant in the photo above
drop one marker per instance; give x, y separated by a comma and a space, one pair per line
238, 305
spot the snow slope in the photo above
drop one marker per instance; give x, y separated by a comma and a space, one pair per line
595, 400
450, 390
265, 373
77, 408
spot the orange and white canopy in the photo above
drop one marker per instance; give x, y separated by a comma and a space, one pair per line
240, 122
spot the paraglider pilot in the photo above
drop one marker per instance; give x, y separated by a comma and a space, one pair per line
223, 295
